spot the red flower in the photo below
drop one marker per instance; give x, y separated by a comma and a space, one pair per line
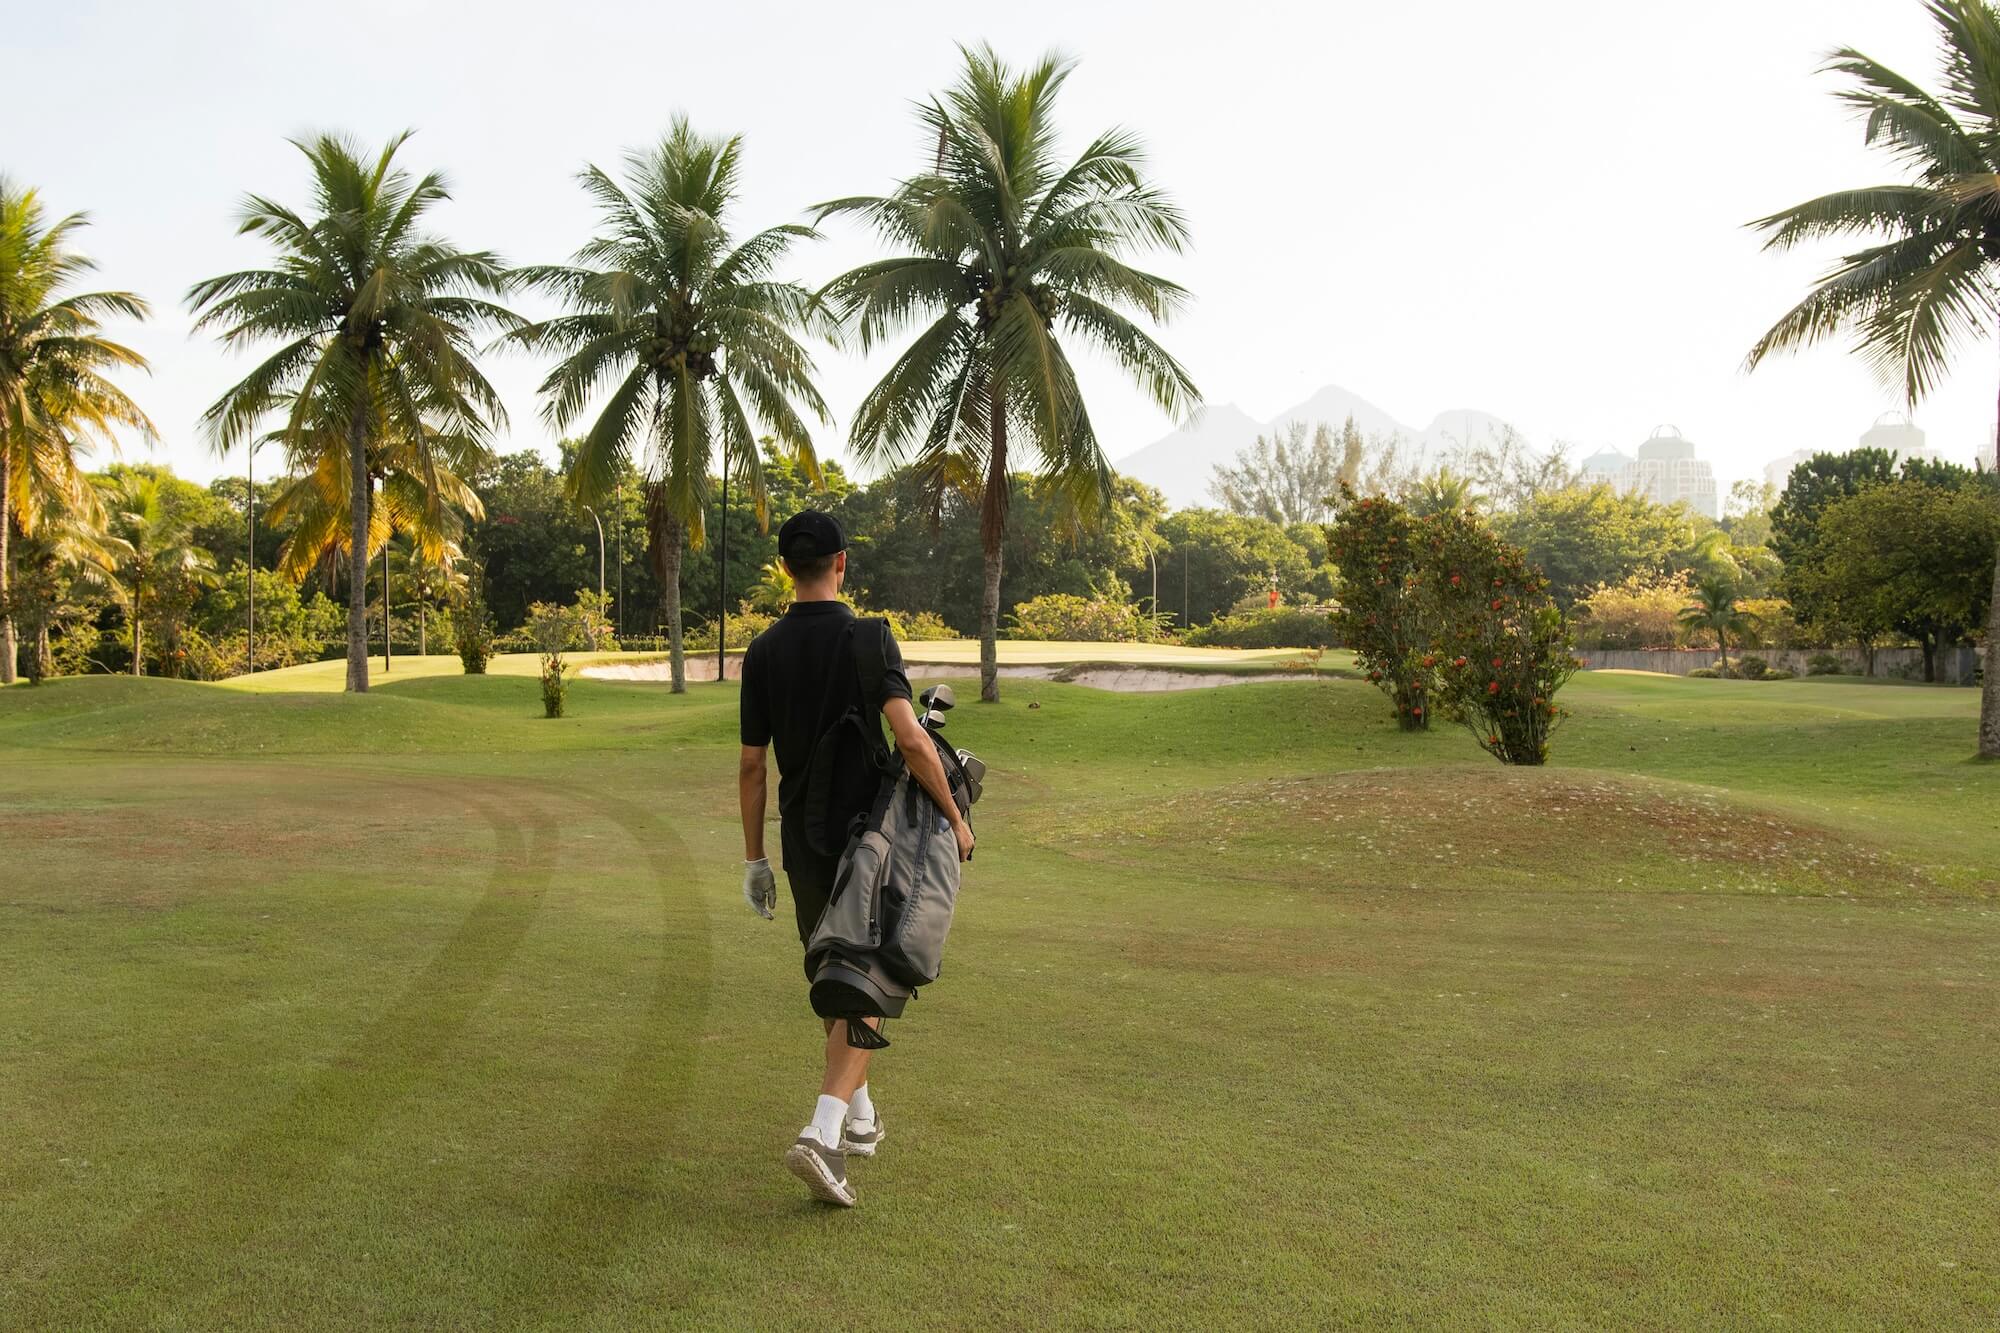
1416, 712
1458, 661
1454, 580
1430, 661
1497, 661
1497, 601
1493, 687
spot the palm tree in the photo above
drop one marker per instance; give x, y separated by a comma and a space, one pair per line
376, 321
1714, 609
68, 554
1930, 279
157, 556
54, 397
1006, 250
772, 592
687, 335
1442, 492
422, 495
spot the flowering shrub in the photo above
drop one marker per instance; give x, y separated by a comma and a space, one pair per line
1504, 647
1374, 542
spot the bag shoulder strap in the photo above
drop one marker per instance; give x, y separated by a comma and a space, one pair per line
871, 662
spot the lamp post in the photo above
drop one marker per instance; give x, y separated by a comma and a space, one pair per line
722, 582
621, 558
250, 570
600, 574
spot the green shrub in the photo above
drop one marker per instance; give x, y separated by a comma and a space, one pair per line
472, 627
555, 629
1642, 612
1825, 664
1777, 673
1065, 616
1705, 673
1752, 668
744, 625
918, 626
1267, 627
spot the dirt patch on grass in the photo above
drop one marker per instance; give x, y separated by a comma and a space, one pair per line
1485, 826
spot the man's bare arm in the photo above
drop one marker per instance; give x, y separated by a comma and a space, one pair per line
750, 785
925, 766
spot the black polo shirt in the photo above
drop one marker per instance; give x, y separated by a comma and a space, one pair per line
785, 679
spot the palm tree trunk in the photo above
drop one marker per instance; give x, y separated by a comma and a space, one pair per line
1989, 696
45, 658
423, 639
1722, 646
665, 535
360, 487
138, 630
992, 529
7, 648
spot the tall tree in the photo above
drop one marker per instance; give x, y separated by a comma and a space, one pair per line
687, 335
1931, 280
1008, 251
1907, 556
377, 320
157, 559
1288, 476
54, 394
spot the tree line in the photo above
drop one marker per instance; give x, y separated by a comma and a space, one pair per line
679, 347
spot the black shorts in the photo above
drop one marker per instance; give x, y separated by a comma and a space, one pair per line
810, 876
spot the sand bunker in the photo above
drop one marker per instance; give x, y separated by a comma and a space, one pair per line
1121, 680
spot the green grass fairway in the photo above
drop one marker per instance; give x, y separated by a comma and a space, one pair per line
417, 1010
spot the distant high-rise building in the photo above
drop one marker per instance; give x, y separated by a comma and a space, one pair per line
1666, 472
1608, 465
1893, 431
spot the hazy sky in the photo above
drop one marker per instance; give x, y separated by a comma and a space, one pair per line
1533, 208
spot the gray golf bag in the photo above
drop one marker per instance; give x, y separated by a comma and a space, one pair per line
883, 931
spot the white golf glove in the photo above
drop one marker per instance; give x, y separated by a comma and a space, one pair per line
760, 889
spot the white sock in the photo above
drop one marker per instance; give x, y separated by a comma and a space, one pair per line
859, 1107
826, 1120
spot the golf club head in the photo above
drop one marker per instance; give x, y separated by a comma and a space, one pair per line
975, 775
938, 699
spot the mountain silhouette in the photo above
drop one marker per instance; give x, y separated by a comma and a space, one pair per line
1182, 464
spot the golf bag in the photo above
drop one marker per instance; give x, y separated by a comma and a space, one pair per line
883, 931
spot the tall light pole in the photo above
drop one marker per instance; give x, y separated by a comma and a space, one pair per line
722, 582
621, 558
600, 574
250, 570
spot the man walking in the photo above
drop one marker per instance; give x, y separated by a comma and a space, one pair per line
798, 676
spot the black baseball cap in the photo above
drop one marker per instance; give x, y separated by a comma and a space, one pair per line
810, 534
